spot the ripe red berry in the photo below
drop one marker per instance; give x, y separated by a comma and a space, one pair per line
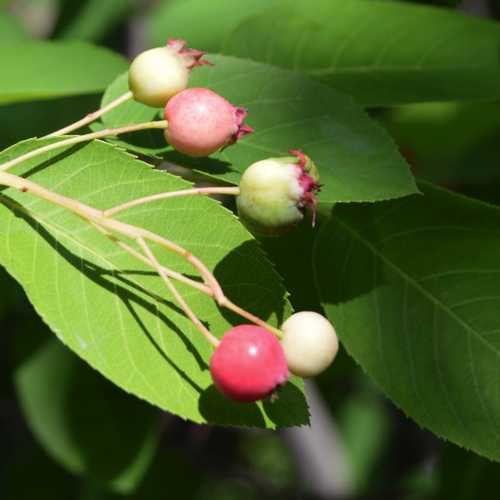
200, 122
248, 364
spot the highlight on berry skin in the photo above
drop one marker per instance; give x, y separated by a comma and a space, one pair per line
249, 364
275, 192
158, 74
201, 122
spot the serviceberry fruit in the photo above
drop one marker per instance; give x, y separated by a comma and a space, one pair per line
201, 122
274, 193
249, 364
158, 74
310, 343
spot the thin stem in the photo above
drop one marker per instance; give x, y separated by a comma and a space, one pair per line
187, 310
251, 317
170, 272
109, 132
94, 215
226, 303
171, 194
91, 117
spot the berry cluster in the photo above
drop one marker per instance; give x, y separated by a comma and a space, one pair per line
250, 362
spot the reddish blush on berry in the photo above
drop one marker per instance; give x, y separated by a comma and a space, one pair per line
249, 364
201, 122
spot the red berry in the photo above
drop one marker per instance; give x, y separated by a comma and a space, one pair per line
200, 122
248, 364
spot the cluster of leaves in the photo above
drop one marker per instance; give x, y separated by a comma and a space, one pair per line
407, 273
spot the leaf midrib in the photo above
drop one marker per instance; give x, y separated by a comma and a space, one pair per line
414, 283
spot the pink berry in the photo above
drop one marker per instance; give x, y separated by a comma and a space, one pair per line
201, 122
248, 364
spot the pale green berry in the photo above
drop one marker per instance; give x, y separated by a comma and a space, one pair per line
310, 343
274, 193
158, 74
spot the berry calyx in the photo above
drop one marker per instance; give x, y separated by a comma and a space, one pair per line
310, 343
201, 122
158, 74
274, 193
249, 364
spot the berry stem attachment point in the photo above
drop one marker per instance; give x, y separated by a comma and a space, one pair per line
184, 306
235, 191
226, 303
92, 117
109, 132
251, 317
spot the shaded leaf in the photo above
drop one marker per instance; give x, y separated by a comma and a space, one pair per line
21, 120
453, 144
412, 288
94, 20
378, 52
83, 421
356, 158
44, 70
463, 475
10, 29
111, 309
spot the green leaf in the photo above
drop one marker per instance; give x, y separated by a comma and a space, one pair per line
201, 35
378, 52
10, 29
356, 158
412, 288
94, 20
444, 140
44, 70
110, 309
81, 419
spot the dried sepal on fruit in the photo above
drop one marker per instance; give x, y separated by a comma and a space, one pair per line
274, 193
201, 122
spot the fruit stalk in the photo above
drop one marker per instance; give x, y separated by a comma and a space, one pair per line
92, 117
187, 310
109, 227
108, 132
235, 191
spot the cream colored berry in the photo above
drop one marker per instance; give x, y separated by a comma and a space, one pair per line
310, 343
156, 75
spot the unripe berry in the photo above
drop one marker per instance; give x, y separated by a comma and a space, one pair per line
158, 74
310, 343
274, 193
248, 364
201, 122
